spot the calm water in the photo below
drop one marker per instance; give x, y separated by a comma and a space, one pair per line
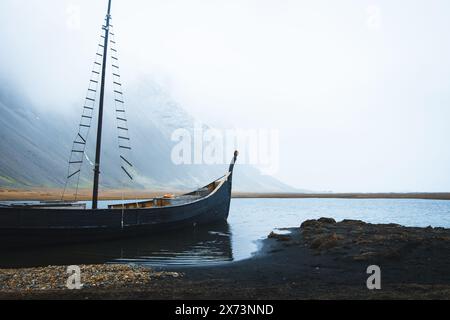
250, 220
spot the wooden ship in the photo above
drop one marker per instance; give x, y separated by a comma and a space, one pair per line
61, 222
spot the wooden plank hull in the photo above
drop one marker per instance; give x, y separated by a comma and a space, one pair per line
22, 227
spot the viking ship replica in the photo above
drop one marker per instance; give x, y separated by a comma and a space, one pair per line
62, 222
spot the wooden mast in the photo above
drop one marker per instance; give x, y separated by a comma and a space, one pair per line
100, 112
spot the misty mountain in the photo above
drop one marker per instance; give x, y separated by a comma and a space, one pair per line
35, 145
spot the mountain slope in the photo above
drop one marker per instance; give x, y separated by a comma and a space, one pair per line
35, 145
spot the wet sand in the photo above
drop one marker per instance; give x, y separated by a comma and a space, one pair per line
45, 194
319, 260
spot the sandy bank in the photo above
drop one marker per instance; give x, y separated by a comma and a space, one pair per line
45, 194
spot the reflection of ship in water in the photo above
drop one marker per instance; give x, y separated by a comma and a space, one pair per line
198, 246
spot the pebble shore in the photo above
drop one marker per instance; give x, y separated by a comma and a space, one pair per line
107, 276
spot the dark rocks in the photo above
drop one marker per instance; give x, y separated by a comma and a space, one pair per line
353, 222
326, 242
309, 224
359, 241
365, 256
327, 220
322, 222
279, 237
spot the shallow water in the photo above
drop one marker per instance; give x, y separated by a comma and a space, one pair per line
250, 220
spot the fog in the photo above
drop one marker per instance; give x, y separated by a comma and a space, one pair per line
358, 90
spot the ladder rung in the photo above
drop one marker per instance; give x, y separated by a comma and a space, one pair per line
127, 173
128, 162
99, 54
111, 33
117, 83
117, 75
73, 174
92, 90
114, 66
84, 125
96, 72
120, 101
122, 128
120, 110
77, 151
118, 92
79, 142
90, 108
97, 63
113, 42
90, 99
123, 147
87, 117
124, 138
115, 58
113, 50
75, 162
94, 81
100, 45
122, 119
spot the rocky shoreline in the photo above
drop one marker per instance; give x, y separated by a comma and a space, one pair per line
54, 278
321, 259
360, 241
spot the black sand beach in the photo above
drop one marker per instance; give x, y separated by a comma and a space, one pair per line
321, 259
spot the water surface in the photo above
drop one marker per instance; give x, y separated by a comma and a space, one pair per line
250, 220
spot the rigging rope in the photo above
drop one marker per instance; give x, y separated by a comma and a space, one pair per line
76, 159
123, 138
78, 152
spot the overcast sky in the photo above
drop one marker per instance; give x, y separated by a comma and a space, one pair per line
359, 90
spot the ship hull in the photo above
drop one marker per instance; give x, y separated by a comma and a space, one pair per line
30, 227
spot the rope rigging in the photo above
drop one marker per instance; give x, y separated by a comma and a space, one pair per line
78, 152
123, 135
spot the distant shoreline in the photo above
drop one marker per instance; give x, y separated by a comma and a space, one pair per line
412, 195
85, 195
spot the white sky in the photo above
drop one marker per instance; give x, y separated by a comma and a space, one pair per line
359, 90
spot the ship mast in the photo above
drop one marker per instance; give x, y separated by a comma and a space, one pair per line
100, 112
